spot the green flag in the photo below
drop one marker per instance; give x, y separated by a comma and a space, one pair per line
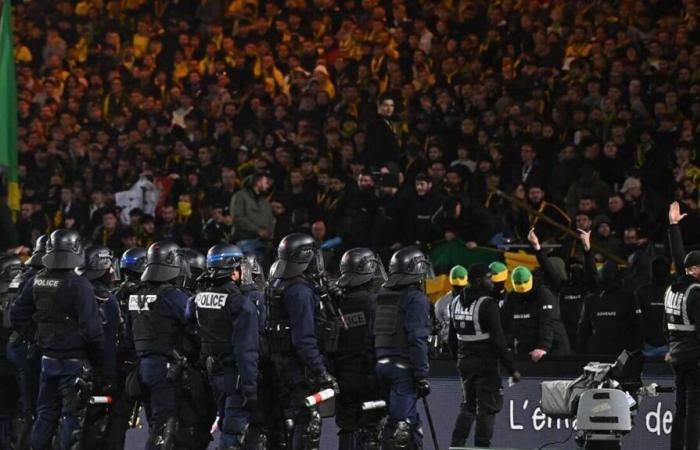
8, 108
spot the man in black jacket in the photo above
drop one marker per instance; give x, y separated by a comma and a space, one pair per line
530, 317
611, 320
650, 297
476, 337
682, 304
382, 143
418, 228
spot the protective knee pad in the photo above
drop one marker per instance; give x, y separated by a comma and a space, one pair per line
312, 432
401, 439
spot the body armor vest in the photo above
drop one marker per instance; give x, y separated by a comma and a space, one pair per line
152, 332
214, 320
252, 293
354, 317
9, 297
390, 320
676, 307
53, 322
465, 320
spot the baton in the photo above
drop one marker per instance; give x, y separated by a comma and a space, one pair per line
430, 423
100, 400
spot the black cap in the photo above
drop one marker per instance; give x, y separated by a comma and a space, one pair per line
692, 259
422, 177
477, 271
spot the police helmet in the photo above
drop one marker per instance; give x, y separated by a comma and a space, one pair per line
10, 267
64, 250
196, 260
359, 266
165, 261
256, 270
407, 266
297, 253
99, 261
39, 251
133, 260
222, 259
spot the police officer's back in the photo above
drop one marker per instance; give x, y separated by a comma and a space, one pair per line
158, 324
227, 322
296, 334
611, 319
69, 335
10, 265
401, 330
477, 339
354, 360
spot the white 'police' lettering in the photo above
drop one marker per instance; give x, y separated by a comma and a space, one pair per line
140, 302
606, 314
211, 300
46, 282
354, 320
521, 316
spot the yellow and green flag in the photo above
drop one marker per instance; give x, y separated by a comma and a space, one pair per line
8, 109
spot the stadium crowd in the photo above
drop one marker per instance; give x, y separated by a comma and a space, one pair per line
364, 122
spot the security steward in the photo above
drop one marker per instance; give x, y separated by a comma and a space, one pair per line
227, 322
458, 279
69, 336
22, 349
10, 266
354, 361
158, 324
295, 330
401, 331
477, 338
131, 265
611, 320
530, 317
98, 269
682, 304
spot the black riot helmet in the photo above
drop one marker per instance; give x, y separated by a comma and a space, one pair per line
64, 250
10, 267
197, 262
359, 266
133, 261
165, 261
407, 266
99, 261
39, 251
222, 259
297, 253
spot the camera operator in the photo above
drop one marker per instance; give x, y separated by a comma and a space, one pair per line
682, 305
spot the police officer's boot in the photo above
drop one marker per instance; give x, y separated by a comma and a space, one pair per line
369, 438
401, 439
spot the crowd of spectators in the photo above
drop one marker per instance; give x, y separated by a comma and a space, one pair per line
379, 122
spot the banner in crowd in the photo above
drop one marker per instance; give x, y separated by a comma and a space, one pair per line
8, 109
520, 424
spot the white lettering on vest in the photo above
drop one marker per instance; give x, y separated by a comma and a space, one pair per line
521, 316
140, 302
46, 282
211, 300
354, 320
606, 314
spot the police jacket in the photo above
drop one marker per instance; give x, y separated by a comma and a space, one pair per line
475, 332
402, 326
108, 308
531, 320
228, 327
157, 319
292, 305
356, 340
62, 304
610, 322
14, 290
682, 305
257, 297
125, 344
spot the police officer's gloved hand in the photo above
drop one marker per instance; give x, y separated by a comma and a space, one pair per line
328, 381
422, 387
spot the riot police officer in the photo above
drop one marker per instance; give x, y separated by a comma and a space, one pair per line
98, 269
10, 266
159, 328
69, 335
22, 349
401, 331
296, 336
227, 323
131, 265
197, 263
477, 338
682, 305
354, 362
